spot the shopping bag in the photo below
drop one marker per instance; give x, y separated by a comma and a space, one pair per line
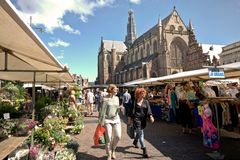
102, 139
130, 131
99, 131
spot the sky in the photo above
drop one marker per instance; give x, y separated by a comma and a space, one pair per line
72, 29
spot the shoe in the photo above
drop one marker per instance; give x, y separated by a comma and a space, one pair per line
135, 143
91, 114
145, 154
113, 155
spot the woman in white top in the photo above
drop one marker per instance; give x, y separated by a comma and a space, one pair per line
109, 118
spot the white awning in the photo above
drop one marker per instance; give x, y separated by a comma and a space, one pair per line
22, 52
231, 71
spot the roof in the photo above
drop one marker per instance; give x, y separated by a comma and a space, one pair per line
212, 50
22, 52
139, 62
118, 45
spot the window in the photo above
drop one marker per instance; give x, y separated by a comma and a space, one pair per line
172, 28
148, 49
136, 56
141, 52
180, 29
155, 46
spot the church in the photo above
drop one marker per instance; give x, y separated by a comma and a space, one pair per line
168, 47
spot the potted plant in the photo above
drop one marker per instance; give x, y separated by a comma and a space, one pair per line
66, 154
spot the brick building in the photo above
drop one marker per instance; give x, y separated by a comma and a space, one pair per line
168, 47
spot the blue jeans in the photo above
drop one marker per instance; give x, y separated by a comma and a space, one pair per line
139, 137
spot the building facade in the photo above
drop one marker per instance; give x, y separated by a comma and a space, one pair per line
168, 47
230, 53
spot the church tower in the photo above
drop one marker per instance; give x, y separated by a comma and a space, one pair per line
131, 29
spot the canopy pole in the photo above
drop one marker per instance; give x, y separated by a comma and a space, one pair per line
6, 60
33, 104
59, 89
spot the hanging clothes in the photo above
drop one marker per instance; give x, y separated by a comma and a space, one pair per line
210, 136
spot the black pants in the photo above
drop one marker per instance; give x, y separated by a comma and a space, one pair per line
185, 114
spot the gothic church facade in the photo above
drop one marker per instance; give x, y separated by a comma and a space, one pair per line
168, 47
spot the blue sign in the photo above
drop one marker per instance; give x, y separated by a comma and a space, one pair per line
216, 73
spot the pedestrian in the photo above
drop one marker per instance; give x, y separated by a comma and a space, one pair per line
72, 101
97, 100
138, 115
110, 119
90, 101
126, 101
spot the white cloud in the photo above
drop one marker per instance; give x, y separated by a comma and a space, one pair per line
68, 28
135, 1
61, 56
83, 18
58, 43
50, 13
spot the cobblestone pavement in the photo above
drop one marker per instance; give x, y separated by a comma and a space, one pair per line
164, 141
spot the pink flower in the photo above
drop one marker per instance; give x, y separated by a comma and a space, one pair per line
34, 151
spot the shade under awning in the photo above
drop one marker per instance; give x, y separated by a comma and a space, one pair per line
20, 47
43, 77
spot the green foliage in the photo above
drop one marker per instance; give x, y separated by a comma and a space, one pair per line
55, 123
59, 136
40, 103
8, 107
42, 136
78, 125
66, 154
7, 127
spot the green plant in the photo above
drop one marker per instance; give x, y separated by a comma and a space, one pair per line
66, 154
59, 136
42, 136
78, 125
7, 126
55, 123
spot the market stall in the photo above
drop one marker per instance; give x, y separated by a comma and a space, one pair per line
24, 58
229, 105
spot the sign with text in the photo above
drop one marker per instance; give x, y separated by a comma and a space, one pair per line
216, 73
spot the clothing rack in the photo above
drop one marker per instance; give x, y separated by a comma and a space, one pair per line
215, 100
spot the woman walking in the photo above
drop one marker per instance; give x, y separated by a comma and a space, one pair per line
138, 115
109, 118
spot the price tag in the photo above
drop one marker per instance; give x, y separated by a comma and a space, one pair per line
6, 115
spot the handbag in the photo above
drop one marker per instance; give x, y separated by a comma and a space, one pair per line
130, 131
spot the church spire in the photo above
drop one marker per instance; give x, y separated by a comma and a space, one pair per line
131, 29
190, 26
159, 21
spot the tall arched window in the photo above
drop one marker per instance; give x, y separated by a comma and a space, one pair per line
108, 56
136, 56
178, 50
148, 49
155, 46
141, 53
